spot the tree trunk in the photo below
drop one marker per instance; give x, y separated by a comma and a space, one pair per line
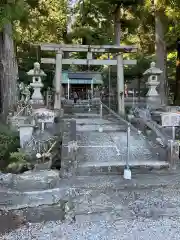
161, 53
8, 70
1, 70
117, 25
177, 88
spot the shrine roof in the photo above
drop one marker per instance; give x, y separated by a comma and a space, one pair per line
84, 75
81, 77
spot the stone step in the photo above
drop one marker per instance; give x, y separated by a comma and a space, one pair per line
86, 111
117, 167
105, 128
15, 219
90, 121
87, 115
78, 186
83, 105
44, 213
31, 180
12, 200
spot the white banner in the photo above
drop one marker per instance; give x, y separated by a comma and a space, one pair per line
170, 119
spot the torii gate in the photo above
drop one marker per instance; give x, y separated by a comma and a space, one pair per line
90, 49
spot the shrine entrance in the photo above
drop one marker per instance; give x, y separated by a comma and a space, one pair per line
81, 90
80, 82
91, 51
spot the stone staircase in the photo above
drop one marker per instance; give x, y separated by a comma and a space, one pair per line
84, 107
107, 154
102, 146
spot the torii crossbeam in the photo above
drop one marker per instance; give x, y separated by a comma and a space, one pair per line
90, 49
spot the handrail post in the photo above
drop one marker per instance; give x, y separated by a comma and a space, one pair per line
101, 110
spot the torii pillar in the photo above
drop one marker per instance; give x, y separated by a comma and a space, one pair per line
120, 84
58, 80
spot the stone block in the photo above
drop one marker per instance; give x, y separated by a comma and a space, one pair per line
25, 132
68, 158
32, 180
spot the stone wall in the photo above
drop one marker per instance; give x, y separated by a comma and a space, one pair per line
68, 159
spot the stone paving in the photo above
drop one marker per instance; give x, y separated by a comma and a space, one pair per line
32, 205
142, 208
136, 214
109, 148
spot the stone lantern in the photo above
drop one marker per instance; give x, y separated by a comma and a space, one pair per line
36, 73
153, 98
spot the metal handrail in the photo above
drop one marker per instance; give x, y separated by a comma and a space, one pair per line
147, 123
117, 116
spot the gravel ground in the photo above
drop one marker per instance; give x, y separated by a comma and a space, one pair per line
149, 214
103, 230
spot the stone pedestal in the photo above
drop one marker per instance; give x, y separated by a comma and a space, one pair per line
25, 133
152, 84
37, 97
153, 100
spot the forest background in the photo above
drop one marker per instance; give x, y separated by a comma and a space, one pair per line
152, 25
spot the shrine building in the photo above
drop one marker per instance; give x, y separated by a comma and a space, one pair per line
80, 82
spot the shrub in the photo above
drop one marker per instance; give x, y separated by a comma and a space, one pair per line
9, 142
18, 157
19, 163
19, 167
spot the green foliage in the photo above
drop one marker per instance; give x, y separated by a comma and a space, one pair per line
11, 10
9, 142
38, 21
11, 158
19, 167
18, 162
18, 157
46, 21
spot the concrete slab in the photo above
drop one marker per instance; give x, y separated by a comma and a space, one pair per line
12, 200
141, 163
88, 115
93, 140
32, 180
91, 121
95, 127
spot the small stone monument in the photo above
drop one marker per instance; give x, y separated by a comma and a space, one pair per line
24, 92
36, 73
153, 98
21, 89
27, 94
18, 91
